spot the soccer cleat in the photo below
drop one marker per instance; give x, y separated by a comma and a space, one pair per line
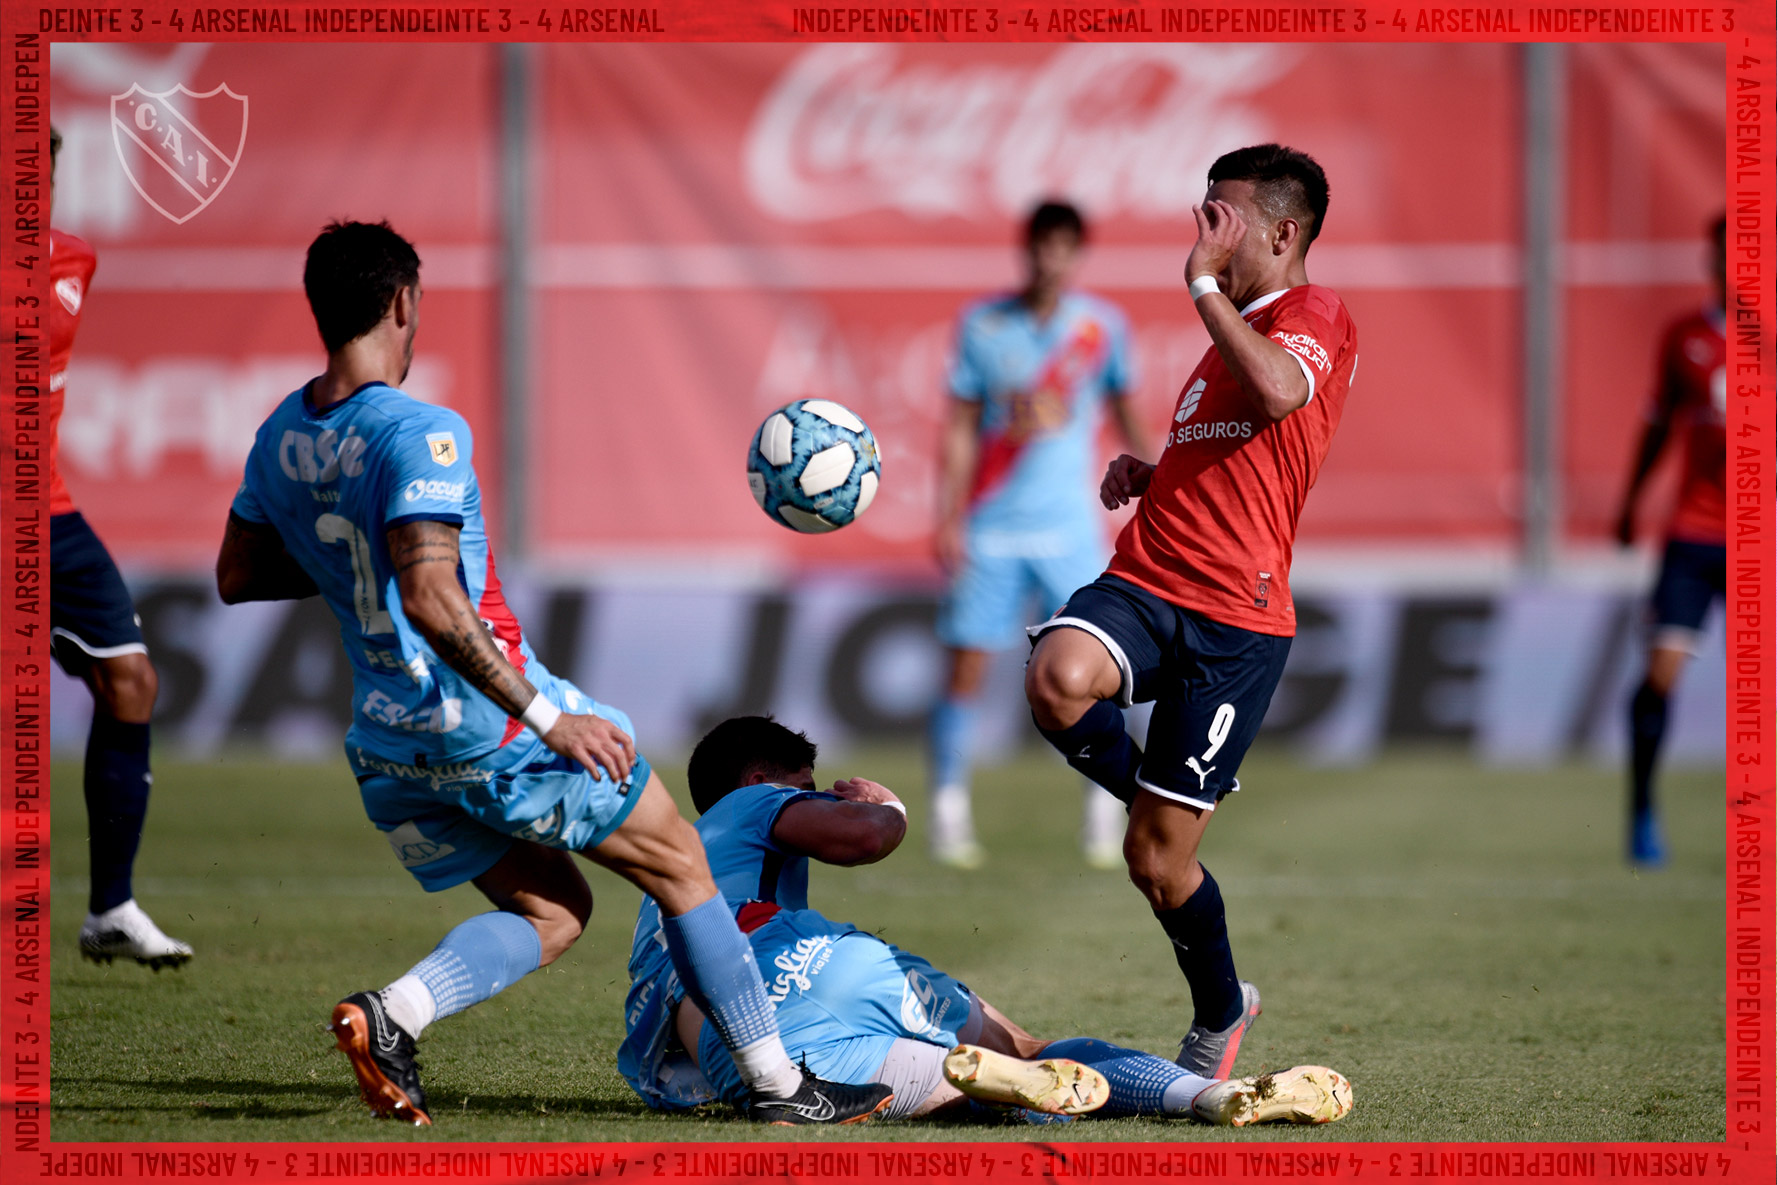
1646, 847
820, 1101
1211, 1055
381, 1054
127, 931
1051, 1085
1302, 1094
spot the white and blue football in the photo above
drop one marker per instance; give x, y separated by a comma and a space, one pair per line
813, 466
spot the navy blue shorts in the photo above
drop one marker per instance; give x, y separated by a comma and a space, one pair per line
1210, 684
1692, 577
91, 615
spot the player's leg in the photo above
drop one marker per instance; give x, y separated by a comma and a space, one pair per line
1198, 737
1691, 576
1103, 816
1088, 661
979, 609
656, 850
97, 638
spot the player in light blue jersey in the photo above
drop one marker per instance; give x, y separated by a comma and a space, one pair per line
1029, 377
474, 761
862, 1010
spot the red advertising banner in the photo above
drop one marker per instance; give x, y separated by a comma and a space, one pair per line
724, 223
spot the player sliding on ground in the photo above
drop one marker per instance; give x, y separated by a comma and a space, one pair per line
860, 1010
362, 494
1194, 612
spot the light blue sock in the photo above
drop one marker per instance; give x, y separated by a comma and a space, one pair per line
1141, 1084
715, 962
952, 737
483, 956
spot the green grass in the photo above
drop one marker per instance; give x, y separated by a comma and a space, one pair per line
1465, 944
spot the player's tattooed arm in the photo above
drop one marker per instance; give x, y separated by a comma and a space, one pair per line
253, 565
425, 555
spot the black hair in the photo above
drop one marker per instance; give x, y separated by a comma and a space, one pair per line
1286, 184
353, 272
1050, 217
55, 146
740, 747
1718, 229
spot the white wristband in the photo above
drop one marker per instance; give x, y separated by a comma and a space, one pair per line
896, 805
1202, 286
540, 716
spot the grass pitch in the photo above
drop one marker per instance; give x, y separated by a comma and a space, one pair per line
1465, 944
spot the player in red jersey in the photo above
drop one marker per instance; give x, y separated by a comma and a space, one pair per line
1690, 401
97, 638
1195, 610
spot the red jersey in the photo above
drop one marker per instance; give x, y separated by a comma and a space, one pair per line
1693, 396
71, 264
1215, 530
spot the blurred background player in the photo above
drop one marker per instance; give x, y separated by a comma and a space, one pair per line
1195, 611
859, 1009
358, 492
97, 638
1691, 396
1015, 516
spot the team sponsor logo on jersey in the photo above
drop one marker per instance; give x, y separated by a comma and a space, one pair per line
921, 1010
412, 847
444, 491
1305, 348
798, 966
1187, 404
67, 290
453, 773
323, 457
1219, 430
443, 446
446, 717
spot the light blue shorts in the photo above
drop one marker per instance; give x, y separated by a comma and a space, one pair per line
450, 823
988, 604
843, 998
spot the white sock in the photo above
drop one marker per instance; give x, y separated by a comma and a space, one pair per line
765, 1066
952, 820
1104, 820
409, 1004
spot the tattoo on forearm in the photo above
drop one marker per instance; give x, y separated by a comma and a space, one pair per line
469, 649
461, 639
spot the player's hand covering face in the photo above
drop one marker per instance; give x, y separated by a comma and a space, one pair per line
1221, 231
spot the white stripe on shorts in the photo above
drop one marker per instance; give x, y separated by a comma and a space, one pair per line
1126, 692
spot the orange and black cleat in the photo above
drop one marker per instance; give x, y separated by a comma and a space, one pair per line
381, 1054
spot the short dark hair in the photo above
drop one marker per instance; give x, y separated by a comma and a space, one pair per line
740, 747
1718, 229
1286, 183
1052, 216
353, 272
55, 146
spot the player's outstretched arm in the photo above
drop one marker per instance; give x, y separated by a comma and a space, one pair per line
867, 825
1269, 375
254, 566
425, 555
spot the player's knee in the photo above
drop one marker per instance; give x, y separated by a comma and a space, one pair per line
1059, 688
126, 687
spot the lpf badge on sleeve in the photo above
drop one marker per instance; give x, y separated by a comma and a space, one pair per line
444, 447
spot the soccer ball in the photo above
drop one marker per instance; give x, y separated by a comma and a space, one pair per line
813, 466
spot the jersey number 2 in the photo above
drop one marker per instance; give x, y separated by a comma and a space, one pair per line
372, 617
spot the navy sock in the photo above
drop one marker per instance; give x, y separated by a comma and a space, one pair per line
117, 782
1100, 748
1647, 728
1199, 933
1141, 1084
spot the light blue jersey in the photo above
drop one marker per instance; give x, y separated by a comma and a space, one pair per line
1040, 385
842, 996
447, 776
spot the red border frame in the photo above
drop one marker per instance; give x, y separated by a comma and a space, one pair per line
1747, 1155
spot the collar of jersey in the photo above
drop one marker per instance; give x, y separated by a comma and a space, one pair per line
1268, 298
308, 407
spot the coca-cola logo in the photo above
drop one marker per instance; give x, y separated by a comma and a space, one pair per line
1120, 129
